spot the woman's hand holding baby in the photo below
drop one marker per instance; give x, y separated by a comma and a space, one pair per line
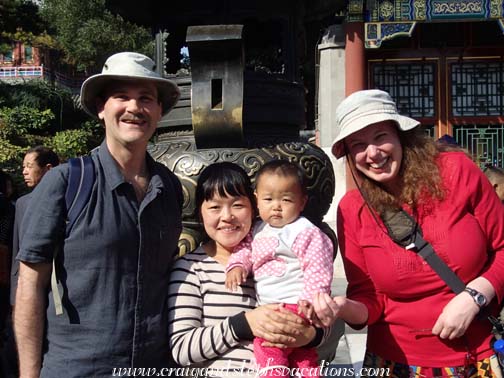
280, 327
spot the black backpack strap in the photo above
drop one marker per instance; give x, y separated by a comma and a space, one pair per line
80, 184
424, 249
81, 178
406, 232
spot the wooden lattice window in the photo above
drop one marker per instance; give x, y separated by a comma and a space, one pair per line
484, 142
477, 89
411, 85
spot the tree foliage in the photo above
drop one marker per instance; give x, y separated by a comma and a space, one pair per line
70, 143
43, 40
21, 120
20, 14
37, 112
88, 33
20, 21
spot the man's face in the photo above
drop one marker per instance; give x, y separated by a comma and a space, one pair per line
130, 112
32, 171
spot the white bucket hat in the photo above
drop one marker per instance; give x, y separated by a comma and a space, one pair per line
364, 108
128, 66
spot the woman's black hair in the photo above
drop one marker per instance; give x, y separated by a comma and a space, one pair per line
224, 179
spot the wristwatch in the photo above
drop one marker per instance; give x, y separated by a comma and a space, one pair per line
478, 298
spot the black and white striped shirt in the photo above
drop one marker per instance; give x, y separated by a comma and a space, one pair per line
200, 308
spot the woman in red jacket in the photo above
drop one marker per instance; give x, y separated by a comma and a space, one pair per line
417, 327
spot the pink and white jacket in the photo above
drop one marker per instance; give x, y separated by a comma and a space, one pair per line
289, 263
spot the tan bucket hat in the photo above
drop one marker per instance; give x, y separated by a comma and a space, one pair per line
364, 108
128, 66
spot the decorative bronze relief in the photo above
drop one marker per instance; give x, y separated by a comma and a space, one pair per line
179, 153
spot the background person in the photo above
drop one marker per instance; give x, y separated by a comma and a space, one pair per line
37, 162
114, 265
496, 177
290, 258
9, 189
6, 226
211, 327
416, 325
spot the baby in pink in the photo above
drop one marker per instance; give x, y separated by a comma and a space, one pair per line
291, 260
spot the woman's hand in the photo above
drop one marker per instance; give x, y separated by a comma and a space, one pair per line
456, 317
280, 327
458, 314
329, 309
326, 308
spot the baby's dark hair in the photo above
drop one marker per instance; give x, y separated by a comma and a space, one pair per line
224, 179
283, 168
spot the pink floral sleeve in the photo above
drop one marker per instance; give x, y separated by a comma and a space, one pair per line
242, 255
315, 252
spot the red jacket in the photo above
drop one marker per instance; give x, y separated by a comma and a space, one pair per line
404, 296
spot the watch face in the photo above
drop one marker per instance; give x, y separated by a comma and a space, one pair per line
480, 299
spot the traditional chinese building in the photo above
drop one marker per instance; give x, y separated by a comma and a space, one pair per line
21, 62
441, 60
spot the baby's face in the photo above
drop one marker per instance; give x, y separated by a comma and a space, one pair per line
280, 199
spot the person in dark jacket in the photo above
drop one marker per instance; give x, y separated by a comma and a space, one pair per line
6, 225
37, 162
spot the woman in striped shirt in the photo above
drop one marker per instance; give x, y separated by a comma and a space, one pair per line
211, 329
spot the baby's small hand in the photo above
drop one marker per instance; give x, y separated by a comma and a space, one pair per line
235, 277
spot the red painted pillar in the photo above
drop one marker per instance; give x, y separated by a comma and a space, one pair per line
355, 58
355, 71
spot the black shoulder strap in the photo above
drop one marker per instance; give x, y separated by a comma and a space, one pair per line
81, 178
80, 183
406, 232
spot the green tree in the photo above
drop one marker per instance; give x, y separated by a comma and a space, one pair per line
20, 21
21, 120
37, 112
88, 32
22, 14
69, 143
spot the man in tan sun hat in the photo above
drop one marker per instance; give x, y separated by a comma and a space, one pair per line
114, 263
